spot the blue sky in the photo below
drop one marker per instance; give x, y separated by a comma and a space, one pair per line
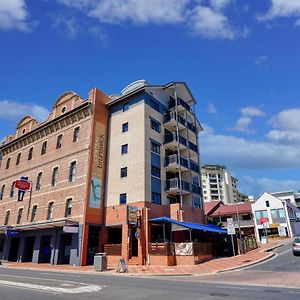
239, 57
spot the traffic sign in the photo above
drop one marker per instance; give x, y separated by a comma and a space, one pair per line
230, 226
23, 185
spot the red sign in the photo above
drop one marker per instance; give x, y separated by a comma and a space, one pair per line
263, 220
22, 185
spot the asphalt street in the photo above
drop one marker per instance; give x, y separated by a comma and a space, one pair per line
34, 285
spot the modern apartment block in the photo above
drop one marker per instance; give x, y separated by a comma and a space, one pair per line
93, 164
218, 184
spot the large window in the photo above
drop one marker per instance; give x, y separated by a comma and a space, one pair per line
7, 163
123, 198
44, 148
59, 141
260, 214
30, 153
72, 171
156, 198
124, 149
50, 211
125, 106
54, 176
12, 189
19, 217
155, 171
76, 134
18, 158
38, 181
123, 172
155, 125
278, 216
33, 213
155, 148
68, 209
2, 191
125, 127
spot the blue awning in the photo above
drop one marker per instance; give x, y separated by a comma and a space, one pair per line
187, 225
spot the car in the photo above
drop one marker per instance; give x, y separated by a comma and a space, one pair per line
296, 246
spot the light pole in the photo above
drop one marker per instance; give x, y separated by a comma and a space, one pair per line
240, 232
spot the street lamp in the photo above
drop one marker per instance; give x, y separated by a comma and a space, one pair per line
240, 232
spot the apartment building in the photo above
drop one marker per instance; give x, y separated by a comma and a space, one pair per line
291, 196
102, 169
63, 158
219, 185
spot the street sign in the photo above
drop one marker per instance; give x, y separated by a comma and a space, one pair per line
230, 226
10, 232
137, 234
70, 229
132, 214
23, 185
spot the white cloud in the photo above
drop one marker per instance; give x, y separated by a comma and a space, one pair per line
14, 15
261, 61
12, 110
67, 26
255, 186
219, 4
251, 111
211, 108
79, 4
242, 124
282, 8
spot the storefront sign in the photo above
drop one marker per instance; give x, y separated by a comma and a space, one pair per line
184, 249
70, 229
97, 166
132, 214
275, 225
10, 232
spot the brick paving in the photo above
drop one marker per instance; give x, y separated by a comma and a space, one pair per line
210, 267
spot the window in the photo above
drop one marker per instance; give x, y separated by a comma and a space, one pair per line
76, 134
124, 149
30, 153
155, 148
154, 105
155, 125
54, 176
281, 214
33, 213
19, 217
50, 210
125, 106
156, 198
7, 217
72, 171
38, 181
125, 127
18, 158
267, 203
59, 141
123, 198
68, 209
12, 189
124, 172
2, 191
155, 171
44, 148
7, 163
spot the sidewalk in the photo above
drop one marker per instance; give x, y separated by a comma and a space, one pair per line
210, 267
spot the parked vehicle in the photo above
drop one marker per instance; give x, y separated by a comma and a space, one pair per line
296, 246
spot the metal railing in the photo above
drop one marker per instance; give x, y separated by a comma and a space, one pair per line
173, 159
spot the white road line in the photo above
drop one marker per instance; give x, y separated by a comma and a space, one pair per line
58, 274
78, 290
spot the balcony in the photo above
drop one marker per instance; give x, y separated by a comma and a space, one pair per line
172, 163
196, 189
171, 141
193, 147
181, 105
173, 187
170, 121
194, 166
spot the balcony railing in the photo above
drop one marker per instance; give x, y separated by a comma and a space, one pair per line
193, 147
194, 167
173, 159
196, 189
170, 137
179, 102
174, 183
172, 116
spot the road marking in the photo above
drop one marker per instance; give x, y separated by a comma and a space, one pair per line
78, 290
59, 274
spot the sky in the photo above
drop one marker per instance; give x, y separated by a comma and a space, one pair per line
240, 59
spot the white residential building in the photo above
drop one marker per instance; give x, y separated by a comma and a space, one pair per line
219, 185
290, 196
276, 216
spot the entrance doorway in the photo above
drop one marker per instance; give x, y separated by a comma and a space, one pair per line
65, 249
28, 249
93, 243
45, 249
14, 249
134, 243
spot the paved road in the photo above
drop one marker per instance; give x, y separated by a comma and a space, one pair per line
269, 280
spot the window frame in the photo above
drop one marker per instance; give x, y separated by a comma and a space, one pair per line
154, 198
72, 171
76, 132
54, 177
124, 149
33, 213
122, 197
44, 148
155, 146
30, 153
19, 216
59, 141
155, 172
7, 163
38, 181
68, 208
18, 159
125, 106
50, 210
123, 172
124, 127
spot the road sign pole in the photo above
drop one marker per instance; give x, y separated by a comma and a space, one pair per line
233, 250
29, 203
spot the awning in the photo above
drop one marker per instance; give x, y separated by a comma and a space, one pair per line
187, 225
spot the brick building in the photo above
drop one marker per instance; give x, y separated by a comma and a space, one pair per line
94, 164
